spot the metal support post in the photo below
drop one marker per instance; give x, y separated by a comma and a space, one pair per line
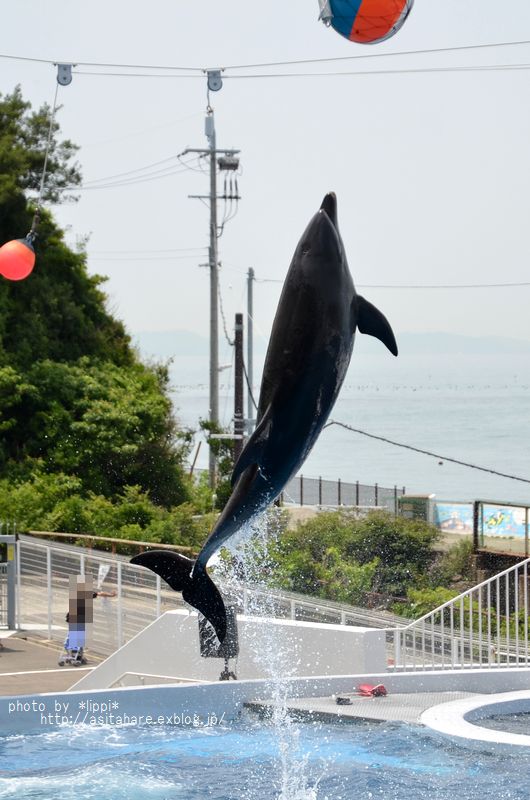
158, 596
49, 588
239, 420
251, 411
19, 586
119, 604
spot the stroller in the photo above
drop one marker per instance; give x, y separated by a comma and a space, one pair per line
73, 654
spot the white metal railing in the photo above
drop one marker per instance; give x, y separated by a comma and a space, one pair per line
3, 595
476, 629
484, 627
43, 587
140, 596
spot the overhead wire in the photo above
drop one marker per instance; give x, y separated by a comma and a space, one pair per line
425, 51
130, 171
36, 216
136, 175
231, 342
442, 285
426, 286
427, 452
295, 62
127, 259
249, 387
327, 74
157, 175
149, 252
225, 421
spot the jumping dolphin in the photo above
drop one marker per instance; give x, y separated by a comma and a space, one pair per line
309, 352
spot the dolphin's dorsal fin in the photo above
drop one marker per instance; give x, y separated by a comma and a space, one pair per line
254, 447
371, 321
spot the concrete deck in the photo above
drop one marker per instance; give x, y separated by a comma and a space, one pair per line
28, 666
403, 707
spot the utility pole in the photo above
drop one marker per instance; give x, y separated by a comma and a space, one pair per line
214, 291
213, 260
251, 411
239, 418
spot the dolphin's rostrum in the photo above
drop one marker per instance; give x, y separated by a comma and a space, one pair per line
309, 351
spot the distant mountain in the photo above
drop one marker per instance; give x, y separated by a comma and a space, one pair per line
165, 344
454, 343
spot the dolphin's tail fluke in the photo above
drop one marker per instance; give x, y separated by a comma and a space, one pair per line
196, 586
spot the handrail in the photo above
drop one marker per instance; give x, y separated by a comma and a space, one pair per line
134, 542
492, 631
463, 595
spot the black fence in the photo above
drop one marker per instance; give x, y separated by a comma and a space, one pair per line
319, 492
303, 491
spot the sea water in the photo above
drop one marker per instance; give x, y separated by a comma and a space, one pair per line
473, 408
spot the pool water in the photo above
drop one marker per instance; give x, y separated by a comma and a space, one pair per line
510, 723
251, 760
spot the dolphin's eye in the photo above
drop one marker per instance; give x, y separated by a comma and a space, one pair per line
306, 248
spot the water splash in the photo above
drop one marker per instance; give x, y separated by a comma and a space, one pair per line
251, 564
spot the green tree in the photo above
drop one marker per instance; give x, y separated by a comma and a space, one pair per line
23, 141
378, 552
111, 425
74, 398
59, 311
403, 547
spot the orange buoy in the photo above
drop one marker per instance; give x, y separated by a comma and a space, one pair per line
17, 259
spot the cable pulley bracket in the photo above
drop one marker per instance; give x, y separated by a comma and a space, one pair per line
64, 74
215, 82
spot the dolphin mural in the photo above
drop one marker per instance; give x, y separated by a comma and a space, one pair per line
308, 355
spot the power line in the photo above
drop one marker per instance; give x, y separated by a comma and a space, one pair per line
441, 285
427, 452
136, 175
157, 175
426, 286
147, 252
230, 341
131, 171
249, 387
188, 257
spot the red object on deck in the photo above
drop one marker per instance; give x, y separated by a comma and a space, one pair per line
369, 690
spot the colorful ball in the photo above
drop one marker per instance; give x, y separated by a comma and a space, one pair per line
369, 21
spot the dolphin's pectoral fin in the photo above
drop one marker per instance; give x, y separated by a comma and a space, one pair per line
172, 567
197, 588
371, 321
253, 448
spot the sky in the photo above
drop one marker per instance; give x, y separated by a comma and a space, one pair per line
431, 169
